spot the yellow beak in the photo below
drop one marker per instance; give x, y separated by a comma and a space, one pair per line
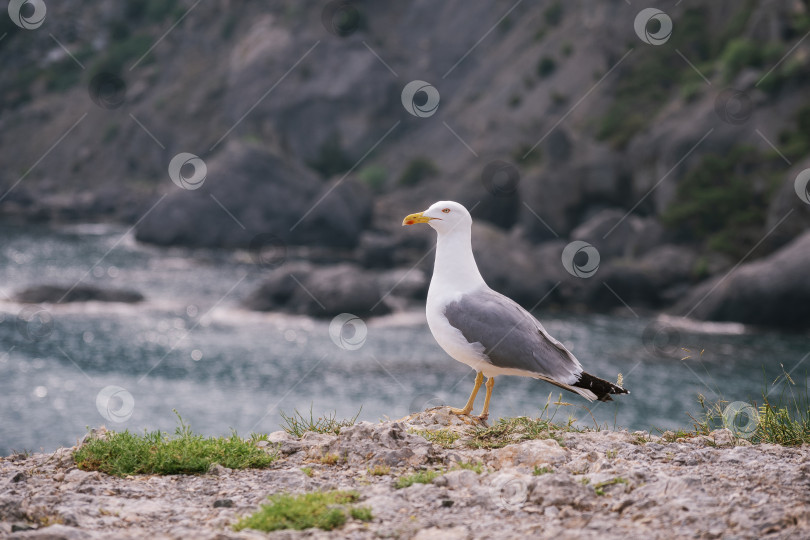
415, 218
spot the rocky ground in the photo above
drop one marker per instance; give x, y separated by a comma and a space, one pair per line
590, 485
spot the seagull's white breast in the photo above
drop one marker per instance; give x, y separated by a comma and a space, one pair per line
449, 338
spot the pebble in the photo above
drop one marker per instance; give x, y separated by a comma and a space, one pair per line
723, 437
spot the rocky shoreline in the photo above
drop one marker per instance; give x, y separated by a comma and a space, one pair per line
571, 485
687, 212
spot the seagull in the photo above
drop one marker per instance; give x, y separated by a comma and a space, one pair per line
486, 330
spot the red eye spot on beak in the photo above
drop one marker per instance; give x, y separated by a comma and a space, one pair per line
409, 222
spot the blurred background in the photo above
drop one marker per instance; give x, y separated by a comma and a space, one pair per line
194, 194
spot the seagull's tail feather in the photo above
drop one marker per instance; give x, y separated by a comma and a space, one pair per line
584, 392
599, 387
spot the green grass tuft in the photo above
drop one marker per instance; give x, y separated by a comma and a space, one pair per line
362, 513
476, 466
158, 453
513, 430
538, 471
522, 428
297, 424
442, 437
379, 470
330, 459
600, 487
322, 509
421, 477
783, 420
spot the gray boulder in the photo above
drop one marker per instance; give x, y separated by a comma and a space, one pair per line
378, 249
323, 291
618, 284
58, 294
516, 268
376, 444
562, 194
659, 278
773, 291
788, 215
250, 191
669, 265
616, 234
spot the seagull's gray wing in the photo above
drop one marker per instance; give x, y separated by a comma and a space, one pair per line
511, 336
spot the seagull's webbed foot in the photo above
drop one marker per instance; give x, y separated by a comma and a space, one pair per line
461, 412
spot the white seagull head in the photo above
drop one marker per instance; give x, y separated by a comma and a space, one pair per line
444, 216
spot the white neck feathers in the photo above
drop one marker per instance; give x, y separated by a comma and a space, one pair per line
455, 269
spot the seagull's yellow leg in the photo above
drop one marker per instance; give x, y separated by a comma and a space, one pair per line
490, 384
479, 378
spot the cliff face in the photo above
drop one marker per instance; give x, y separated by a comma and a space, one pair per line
549, 115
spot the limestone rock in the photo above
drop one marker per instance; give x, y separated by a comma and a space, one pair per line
448, 533
641, 490
537, 453
723, 437
381, 444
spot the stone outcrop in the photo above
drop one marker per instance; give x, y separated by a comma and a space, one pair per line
773, 291
576, 485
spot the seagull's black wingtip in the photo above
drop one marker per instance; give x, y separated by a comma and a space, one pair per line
602, 388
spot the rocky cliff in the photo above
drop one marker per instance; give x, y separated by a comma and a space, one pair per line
555, 121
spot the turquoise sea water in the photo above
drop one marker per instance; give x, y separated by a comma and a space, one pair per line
190, 347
